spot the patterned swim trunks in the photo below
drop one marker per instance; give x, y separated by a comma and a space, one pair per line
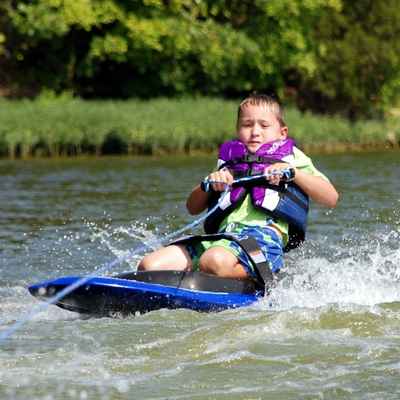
268, 239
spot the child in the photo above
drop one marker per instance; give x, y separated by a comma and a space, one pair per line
262, 145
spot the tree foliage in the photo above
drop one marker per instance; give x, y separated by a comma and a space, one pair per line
358, 59
307, 49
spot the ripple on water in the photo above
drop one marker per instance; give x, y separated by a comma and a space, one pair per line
330, 329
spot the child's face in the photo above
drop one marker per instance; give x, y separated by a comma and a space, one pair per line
258, 125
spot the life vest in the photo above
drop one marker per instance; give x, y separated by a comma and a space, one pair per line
286, 201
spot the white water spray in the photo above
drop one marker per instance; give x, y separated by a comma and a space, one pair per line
368, 278
119, 260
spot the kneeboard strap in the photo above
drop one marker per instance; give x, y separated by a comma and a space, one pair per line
248, 245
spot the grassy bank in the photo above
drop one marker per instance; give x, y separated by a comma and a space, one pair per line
68, 127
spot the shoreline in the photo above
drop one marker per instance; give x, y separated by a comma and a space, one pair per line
314, 149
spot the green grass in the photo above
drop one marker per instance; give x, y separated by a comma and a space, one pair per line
65, 126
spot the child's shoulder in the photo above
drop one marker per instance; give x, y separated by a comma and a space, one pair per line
299, 154
297, 158
305, 163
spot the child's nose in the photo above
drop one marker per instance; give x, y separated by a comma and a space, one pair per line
256, 130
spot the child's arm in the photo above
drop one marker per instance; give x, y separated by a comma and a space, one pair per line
198, 200
319, 189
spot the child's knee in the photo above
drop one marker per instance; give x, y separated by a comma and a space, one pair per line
145, 263
166, 258
215, 259
151, 262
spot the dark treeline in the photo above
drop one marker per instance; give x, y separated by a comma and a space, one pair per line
336, 56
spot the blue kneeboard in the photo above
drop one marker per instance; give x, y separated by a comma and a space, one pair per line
141, 292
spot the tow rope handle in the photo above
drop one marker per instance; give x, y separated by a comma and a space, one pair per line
287, 175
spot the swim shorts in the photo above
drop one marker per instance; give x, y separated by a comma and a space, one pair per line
268, 239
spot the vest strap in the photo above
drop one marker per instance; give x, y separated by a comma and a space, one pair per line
249, 159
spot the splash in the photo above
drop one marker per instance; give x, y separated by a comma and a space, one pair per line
116, 240
365, 272
104, 268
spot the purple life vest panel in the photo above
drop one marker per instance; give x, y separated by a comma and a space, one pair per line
285, 201
236, 157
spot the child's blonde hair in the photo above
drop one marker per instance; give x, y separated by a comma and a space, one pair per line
270, 102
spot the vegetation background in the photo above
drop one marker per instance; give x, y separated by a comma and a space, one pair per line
181, 65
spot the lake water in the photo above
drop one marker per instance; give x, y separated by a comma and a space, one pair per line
330, 330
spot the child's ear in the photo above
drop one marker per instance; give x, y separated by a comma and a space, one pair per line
284, 132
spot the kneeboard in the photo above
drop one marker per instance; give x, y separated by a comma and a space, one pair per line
144, 291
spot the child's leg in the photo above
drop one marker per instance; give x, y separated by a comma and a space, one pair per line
174, 257
221, 262
227, 259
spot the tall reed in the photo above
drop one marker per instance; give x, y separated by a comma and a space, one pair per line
66, 126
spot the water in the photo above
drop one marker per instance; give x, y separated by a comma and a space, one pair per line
331, 329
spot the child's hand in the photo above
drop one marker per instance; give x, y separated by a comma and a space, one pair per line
275, 179
221, 178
